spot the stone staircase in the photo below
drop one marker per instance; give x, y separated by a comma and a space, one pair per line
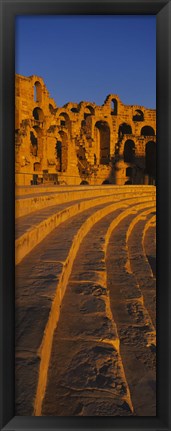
85, 302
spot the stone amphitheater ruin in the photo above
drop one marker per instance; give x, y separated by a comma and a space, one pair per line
79, 142
85, 256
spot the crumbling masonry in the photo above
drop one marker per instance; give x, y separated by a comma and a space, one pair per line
81, 143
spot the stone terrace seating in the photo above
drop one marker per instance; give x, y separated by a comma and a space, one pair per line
85, 303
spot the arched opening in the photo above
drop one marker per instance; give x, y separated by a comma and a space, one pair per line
147, 131
89, 110
129, 151
83, 164
84, 183
114, 107
64, 119
124, 129
58, 150
150, 159
51, 109
102, 136
37, 92
129, 172
62, 151
37, 167
138, 116
106, 182
34, 144
75, 110
38, 132
38, 114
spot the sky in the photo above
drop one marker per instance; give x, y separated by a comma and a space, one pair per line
88, 57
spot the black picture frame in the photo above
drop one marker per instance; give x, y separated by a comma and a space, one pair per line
162, 10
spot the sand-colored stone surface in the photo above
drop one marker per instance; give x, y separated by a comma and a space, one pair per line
85, 255
85, 315
33, 228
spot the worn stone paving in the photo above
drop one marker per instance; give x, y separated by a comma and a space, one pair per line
85, 358
140, 267
29, 203
26, 222
87, 301
134, 324
36, 280
102, 318
31, 220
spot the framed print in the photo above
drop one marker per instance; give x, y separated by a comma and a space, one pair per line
83, 187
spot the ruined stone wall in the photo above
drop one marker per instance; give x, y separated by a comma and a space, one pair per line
81, 142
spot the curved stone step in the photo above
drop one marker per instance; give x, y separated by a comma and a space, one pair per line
25, 223
135, 329
86, 300
40, 285
85, 361
38, 199
35, 230
34, 227
139, 263
149, 243
44, 189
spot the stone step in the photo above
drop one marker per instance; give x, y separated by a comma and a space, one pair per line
94, 366
33, 228
42, 365
149, 243
41, 280
135, 329
40, 197
85, 355
139, 263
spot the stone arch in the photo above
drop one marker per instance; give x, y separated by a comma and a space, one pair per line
37, 92
114, 106
75, 110
38, 114
84, 183
129, 151
89, 110
106, 182
102, 136
64, 119
150, 159
124, 129
51, 109
138, 115
37, 166
147, 131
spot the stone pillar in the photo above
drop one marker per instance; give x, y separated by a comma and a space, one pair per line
120, 173
146, 179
